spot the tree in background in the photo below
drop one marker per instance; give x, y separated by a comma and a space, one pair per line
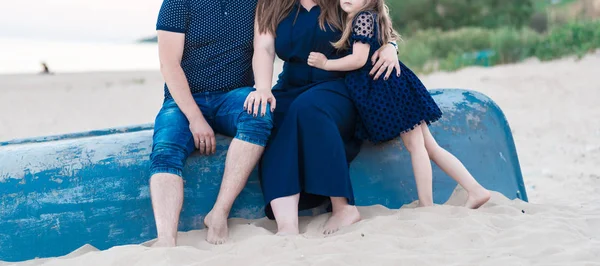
412, 15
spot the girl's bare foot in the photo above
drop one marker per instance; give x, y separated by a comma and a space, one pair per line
477, 198
425, 204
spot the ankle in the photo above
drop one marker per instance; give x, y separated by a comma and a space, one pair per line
287, 228
287, 223
340, 205
166, 238
476, 190
426, 202
219, 212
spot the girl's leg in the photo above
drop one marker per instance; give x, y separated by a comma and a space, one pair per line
342, 214
285, 210
413, 140
478, 195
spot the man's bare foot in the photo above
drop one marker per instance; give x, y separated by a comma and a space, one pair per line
165, 243
346, 216
217, 227
477, 198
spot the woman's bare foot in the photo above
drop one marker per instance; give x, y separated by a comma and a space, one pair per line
287, 230
217, 227
165, 243
288, 225
345, 216
477, 198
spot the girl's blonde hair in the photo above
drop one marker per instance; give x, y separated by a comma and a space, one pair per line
385, 30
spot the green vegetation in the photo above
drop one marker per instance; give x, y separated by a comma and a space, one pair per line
410, 16
543, 5
431, 50
450, 34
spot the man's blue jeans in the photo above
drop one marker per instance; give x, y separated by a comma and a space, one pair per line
224, 111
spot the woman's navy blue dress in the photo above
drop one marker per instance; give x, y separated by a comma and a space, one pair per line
390, 107
313, 140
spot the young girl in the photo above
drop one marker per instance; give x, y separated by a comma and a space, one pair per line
399, 105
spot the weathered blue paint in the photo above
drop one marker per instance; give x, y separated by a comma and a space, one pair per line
58, 193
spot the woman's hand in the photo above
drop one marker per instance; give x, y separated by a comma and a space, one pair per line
259, 98
317, 60
385, 60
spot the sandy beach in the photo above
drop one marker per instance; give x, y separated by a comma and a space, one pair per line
552, 108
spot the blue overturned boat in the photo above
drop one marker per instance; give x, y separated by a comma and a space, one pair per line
58, 193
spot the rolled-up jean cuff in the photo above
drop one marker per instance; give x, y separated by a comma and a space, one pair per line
166, 170
253, 140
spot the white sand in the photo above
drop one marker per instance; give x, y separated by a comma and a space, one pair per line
553, 111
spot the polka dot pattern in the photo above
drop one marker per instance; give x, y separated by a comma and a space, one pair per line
390, 107
218, 47
363, 27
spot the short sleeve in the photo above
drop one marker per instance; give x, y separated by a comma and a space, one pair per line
364, 28
173, 16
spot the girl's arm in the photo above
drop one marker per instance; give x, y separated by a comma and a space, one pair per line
354, 61
262, 64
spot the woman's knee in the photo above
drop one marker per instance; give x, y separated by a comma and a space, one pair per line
302, 105
323, 105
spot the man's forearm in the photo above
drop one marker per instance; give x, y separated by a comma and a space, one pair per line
180, 91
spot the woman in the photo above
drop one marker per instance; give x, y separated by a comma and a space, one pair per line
307, 159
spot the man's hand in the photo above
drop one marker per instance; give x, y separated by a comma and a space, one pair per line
260, 98
385, 59
204, 136
317, 60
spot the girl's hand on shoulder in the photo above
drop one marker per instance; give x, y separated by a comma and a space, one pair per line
385, 60
317, 60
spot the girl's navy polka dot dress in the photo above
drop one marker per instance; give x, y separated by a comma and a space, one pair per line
390, 107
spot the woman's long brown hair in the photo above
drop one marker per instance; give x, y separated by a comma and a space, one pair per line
269, 13
386, 31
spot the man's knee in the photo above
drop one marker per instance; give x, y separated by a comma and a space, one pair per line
255, 130
167, 158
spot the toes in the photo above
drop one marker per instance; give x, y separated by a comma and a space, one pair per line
330, 231
214, 240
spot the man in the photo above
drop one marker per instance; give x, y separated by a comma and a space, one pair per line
205, 51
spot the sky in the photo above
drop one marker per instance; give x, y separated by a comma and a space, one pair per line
119, 21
